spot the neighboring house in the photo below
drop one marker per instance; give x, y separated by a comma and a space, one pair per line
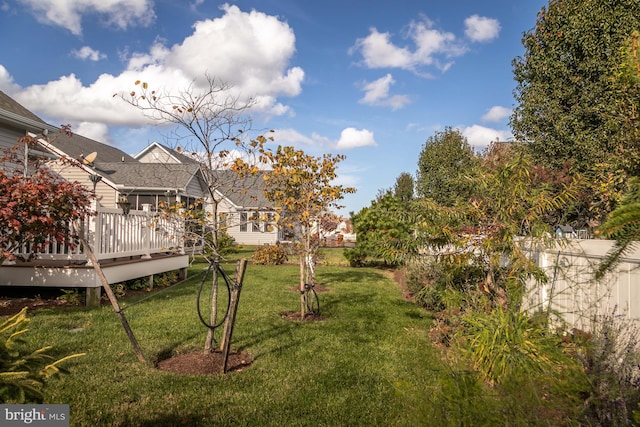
246, 214
565, 232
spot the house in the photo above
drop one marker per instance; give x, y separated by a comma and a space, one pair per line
565, 232
246, 214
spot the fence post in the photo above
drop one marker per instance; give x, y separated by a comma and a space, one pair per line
146, 233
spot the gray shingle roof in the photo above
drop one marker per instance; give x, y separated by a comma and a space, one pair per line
12, 106
133, 175
77, 146
247, 192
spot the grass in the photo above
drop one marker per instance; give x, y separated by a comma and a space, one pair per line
369, 363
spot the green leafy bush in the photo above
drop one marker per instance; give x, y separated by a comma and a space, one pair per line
506, 344
270, 255
166, 279
23, 373
356, 256
226, 244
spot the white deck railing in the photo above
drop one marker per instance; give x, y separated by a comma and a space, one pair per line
114, 235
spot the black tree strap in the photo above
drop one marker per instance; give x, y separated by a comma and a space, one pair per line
227, 281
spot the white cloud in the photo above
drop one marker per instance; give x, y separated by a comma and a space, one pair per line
430, 47
7, 84
95, 131
290, 137
481, 29
352, 138
250, 51
496, 114
69, 13
377, 93
86, 52
480, 136
378, 51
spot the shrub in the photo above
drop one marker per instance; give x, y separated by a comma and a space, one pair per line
355, 256
166, 279
505, 344
610, 355
22, 373
269, 255
226, 244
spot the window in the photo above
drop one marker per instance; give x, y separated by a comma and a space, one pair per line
243, 221
255, 222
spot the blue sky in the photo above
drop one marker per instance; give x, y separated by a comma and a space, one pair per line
371, 80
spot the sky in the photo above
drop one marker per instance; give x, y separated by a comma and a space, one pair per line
368, 79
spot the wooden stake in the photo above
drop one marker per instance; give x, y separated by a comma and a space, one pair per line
109, 292
225, 344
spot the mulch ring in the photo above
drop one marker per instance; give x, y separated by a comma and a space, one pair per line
203, 363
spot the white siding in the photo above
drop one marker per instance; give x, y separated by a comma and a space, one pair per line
105, 193
157, 155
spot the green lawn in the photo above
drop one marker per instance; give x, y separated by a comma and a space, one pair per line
369, 363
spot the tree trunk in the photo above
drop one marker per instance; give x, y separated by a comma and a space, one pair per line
208, 344
302, 302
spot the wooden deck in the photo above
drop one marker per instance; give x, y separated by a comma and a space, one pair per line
127, 247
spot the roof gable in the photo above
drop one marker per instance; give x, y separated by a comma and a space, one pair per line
159, 153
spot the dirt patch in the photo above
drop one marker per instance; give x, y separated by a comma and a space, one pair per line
296, 316
401, 279
14, 300
201, 363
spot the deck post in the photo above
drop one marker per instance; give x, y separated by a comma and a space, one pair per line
92, 297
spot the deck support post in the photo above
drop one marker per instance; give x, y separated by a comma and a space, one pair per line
92, 297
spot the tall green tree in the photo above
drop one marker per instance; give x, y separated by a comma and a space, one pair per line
623, 224
404, 187
445, 161
567, 94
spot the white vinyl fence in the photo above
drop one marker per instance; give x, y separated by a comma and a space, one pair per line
572, 290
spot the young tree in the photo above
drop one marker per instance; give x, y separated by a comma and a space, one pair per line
209, 125
444, 163
37, 207
302, 190
489, 231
